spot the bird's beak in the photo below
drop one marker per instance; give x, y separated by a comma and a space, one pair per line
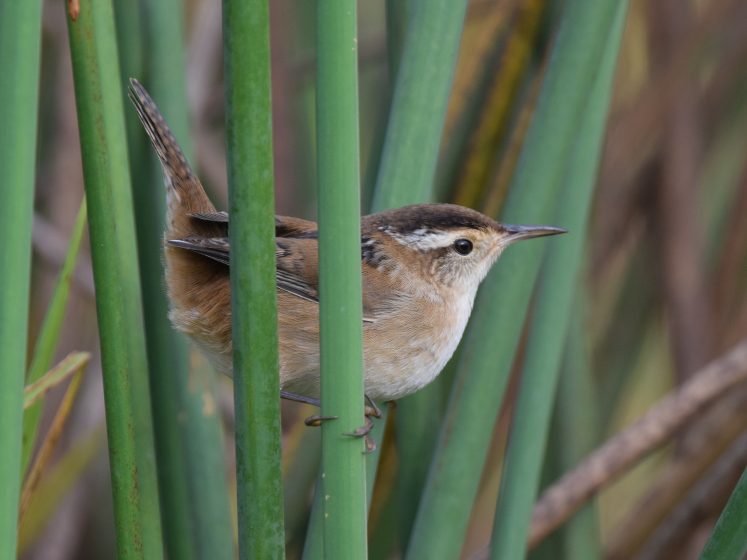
517, 233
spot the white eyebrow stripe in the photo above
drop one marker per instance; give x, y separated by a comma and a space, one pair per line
425, 239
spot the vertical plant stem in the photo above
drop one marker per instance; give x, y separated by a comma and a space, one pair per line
340, 311
421, 93
422, 68
20, 38
398, 16
166, 358
552, 315
98, 94
189, 446
485, 360
246, 32
577, 418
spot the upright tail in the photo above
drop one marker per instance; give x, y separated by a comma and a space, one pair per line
185, 194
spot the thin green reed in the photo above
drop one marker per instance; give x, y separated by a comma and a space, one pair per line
422, 73
421, 94
20, 38
98, 93
246, 32
340, 310
427, 34
576, 418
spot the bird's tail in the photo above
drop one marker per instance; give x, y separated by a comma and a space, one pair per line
185, 194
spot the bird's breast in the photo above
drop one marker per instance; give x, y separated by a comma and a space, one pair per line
404, 349
407, 352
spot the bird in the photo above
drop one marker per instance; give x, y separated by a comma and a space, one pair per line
421, 266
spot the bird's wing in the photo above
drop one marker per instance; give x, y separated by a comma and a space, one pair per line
215, 217
285, 226
297, 271
296, 263
216, 248
293, 274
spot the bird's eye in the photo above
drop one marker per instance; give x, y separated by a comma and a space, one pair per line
463, 246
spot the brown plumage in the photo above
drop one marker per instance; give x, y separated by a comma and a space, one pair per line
422, 265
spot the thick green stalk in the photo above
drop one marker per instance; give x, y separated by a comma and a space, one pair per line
488, 348
98, 93
46, 342
729, 538
20, 39
189, 446
246, 32
552, 316
340, 311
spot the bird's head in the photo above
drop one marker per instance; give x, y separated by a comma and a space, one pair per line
449, 244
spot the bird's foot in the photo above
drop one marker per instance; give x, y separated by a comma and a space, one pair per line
371, 411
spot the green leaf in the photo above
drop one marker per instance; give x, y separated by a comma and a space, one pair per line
552, 315
72, 363
49, 335
729, 538
55, 485
491, 340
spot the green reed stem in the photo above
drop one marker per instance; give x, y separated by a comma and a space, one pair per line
340, 311
577, 419
421, 94
246, 31
423, 39
189, 444
98, 93
20, 39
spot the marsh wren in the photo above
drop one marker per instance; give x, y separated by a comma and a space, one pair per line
421, 268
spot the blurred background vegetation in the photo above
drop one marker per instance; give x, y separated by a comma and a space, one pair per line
663, 290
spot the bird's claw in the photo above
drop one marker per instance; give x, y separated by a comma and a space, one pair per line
317, 419
363, 432
372, 410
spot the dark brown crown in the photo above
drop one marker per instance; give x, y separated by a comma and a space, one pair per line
441, 217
